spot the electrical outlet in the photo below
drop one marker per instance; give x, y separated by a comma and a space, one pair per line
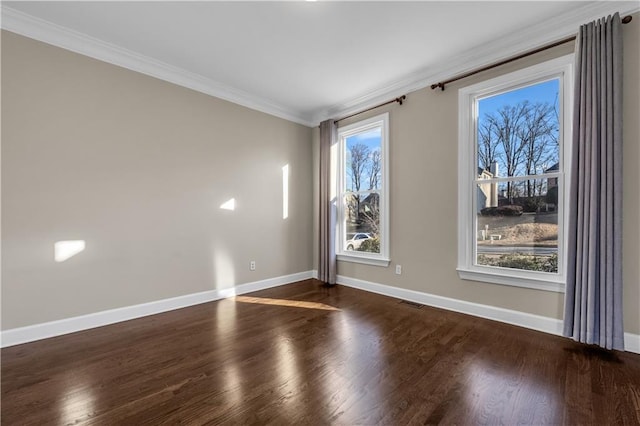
252, 265
398, 269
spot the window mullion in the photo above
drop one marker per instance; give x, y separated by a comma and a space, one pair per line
518, 178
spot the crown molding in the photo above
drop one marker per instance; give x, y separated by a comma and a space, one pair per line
526, 39
56, 35
545, 32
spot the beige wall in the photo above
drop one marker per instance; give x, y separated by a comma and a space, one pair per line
137, 168
423, 162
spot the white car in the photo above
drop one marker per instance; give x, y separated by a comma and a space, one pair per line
357, 240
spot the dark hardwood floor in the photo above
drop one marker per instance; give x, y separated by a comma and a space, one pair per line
305, 354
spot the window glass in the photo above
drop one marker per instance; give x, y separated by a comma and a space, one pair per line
512, 156
518, 136
362, 210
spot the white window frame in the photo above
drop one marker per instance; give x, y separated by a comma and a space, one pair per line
377, 259
468, 97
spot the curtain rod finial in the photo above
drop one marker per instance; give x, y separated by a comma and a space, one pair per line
627, 19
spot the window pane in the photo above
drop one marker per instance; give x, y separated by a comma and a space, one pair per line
362, 219
364, 161
520, 232
518, 131
530, 194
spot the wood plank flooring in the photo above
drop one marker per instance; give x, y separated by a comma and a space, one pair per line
304, 354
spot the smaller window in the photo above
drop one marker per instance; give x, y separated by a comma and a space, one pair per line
362, 233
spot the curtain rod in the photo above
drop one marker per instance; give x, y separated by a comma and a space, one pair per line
398, 100
442, 84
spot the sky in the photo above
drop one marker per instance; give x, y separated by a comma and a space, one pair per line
372, 139
542, 92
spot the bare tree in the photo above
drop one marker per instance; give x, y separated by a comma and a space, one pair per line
538, 134
357, 164
364, 169
374, 169
487, 145
507, 122
521, 138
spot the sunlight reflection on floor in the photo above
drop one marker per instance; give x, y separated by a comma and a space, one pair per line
285, 302
488, 386
77, 404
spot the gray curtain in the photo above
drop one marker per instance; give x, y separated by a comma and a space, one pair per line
327, 249
593, 300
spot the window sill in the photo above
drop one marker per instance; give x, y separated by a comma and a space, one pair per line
511, 280
375, 261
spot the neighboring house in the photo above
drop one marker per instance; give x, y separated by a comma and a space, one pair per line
367, 212
552, 186
552, 182
487, 192
370, 204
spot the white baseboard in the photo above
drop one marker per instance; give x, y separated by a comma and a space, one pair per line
632, 342
522, 319
31, 333
535, 322
35, 332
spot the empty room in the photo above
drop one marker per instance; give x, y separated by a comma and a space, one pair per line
320, 212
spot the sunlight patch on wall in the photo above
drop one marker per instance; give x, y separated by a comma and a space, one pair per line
224, 272
63, 250
285, 192
229, 205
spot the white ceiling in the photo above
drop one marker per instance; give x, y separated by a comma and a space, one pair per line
304, 61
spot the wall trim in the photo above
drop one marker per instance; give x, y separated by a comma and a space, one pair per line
524, 39
521, 319
632, 342
39, 29
45, 330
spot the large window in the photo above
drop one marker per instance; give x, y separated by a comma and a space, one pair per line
513, 154
363, 219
